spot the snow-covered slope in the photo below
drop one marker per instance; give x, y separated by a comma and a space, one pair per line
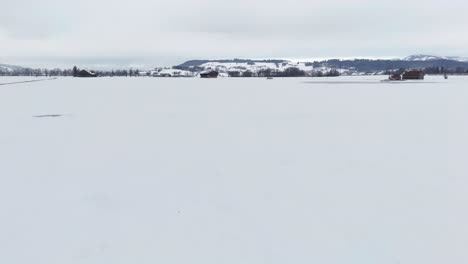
255, 67
9, 68
345, 67
462, 59
422, 57
170, 72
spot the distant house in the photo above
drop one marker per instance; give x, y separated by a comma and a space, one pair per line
86, 73
395, 77
209, 74
413, 75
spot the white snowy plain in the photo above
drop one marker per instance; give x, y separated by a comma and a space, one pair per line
234, 171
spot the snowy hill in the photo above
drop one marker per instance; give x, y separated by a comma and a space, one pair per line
9, 68
170, 72
461, 59
256, 67
238, 67
423, 57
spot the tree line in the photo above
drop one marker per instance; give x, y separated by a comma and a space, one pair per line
364, 65
289, 72
17, 71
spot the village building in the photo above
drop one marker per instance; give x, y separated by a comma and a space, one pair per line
413, 75
85, 74
210, 73
395, 77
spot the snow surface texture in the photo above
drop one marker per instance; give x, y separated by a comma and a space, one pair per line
234, 170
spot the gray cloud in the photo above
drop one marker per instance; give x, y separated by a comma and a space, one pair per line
148, 29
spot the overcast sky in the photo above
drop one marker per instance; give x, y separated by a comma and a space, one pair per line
156, 32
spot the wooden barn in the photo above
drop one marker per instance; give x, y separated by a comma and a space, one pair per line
413, 75
209, 74
85, 74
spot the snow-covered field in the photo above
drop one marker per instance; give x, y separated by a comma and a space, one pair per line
234, 171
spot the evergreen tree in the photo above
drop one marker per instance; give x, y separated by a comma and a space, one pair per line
75, 71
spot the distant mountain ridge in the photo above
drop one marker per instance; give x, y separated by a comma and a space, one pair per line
9, 68
191, 63
246, 67
423, 57
431, 63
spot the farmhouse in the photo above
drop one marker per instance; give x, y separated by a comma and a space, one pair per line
413, 75
209, 74
86, 73
395, 77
